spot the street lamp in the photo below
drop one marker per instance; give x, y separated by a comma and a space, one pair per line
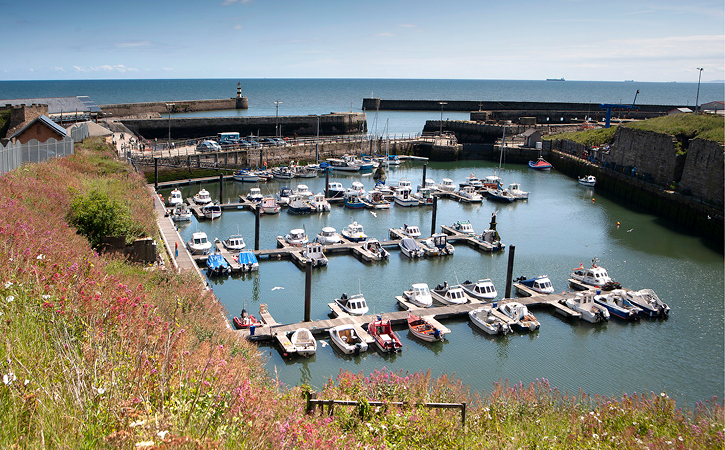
442, 103
169, 107
697, 99
276, 120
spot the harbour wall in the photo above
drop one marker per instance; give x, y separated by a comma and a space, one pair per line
155, 109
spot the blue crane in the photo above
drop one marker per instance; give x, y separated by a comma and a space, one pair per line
610, 106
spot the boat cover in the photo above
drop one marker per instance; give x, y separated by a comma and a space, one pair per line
216, 261
247, 258
410, 244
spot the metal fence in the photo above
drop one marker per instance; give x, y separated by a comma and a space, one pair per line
15, 154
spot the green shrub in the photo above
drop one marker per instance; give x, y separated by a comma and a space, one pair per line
96, 216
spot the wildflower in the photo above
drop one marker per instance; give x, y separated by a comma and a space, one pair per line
10, 298
8, 284
101, 391
8, 378
595, 436
137, 423
40, 256
162, 434
145, 444
26, 382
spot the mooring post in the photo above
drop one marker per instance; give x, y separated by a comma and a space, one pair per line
256, 227
425, 168
261, 151
327, 182
221, 188
510, 270
156, 174
308, 289
433, 219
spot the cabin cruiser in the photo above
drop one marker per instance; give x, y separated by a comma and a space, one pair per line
354, 232
376, 251
212, 211
354, 305
428, 183
328, 236
411, 248
446, 185
492, 238
342, 165
298, 205
485, 319
481, 290
500, 195
313, 253
419, 295
464, 227
283, 196
589, 181
335, 190
594, 276
296, 237
303, 191
268, 205
449, 295
473, 181
199, 243
437, 245
424, 196
522, 319
469, 194
180, 213
403, 197
492, 182
347, 340
515, 190
175, 198
540, 284
234, 243
584, 304
410, 230
246, 176
202, 197
318, 203
255, 195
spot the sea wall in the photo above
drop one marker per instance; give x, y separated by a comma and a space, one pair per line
154, 109
651, 153
702, 175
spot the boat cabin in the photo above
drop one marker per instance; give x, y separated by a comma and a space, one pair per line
596, 276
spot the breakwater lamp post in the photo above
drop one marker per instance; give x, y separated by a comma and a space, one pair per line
169, 107
441, 130
697, 99
276, 120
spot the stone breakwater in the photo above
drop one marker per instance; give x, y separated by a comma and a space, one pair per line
157, 109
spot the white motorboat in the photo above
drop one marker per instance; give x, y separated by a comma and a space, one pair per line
354, 232
202, 197
376, 251
588, 180
342, 165
296, 237
304, 342
335, 190
175, 198
491, 237
283, 196
594, 276
234, 243
523, 319
319, 203
356, 190
268, 205
303, 191
486, 320
618, 304
464, 227
212, 211
298, 204
428, 183
437, 245
447, 185
375, 199
347, 340
255, 195
500, 195
424, 329
540, 284
648, 302
584, 304
328, 236
410, 230
492, 182
468, 194
313, 253
283, 173
449, 295
419, 295
473, 181
199, 243
425, 196
180, 213
354, 305
515, 190
245, 175
403, 197
411, 248
481, 289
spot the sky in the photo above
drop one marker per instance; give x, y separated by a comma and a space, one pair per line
657, 41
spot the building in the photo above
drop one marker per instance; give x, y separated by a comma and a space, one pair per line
531, 137
41, 129
679, 111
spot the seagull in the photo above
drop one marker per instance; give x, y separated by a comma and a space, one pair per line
630, 230
323, 343
277, 287
374, 213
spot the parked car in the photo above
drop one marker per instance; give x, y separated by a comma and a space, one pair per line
208, 146
279, 142
267, 141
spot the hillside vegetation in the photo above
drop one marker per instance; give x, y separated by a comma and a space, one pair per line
98, 353
593, 137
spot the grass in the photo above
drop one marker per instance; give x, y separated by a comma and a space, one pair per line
593, 137
98, 353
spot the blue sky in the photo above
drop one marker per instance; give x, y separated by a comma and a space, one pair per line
663, 40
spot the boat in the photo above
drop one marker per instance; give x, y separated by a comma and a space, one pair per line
303, 342
335, 190
540, 284
212, 211
296, 237
246, 176
305, 172
347, 340
354, 232
375, 249
540, 164
649, 303
354, 305
481, 289
411, 248
247, 260
283, 196
595, 276
584, 304
234, 243
429, 184
255, 195
464, 227
313, 253
446, 185
469, 194
500, 195
328, 236
403, 197
342, 165
318, 203
298, 205
523, 319
618, 304
245, 320
199, 243
354, 201
393, 160
268, 205
303, 191
437, 245
473, 181
424, 330
202, 197
449, 295
410, 230
357, 188
588, 180
385, 338
216, 264
419, 295
175, 198
180, 213
424, 196
283, 173
485, 319
515, 190
375, 200
491, 236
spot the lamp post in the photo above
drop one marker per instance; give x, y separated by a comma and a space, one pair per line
276, 120
442, 103
169, 107
697, 99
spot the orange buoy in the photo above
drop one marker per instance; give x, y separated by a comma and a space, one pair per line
592, 200
617, 224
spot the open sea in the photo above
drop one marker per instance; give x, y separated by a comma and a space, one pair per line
561, 225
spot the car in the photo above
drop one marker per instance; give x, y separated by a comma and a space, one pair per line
244, 144
267, 141
279, 142
208, 146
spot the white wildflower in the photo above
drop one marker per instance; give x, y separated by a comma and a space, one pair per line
162, 434
8, 378
10, 298
680, 438
595, 436
40, 256
137, 423
101, 391
145, 444
25, 383
8, 284
45, 296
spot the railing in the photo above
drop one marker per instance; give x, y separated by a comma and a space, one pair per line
15, 154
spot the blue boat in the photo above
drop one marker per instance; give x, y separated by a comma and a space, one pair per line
217, 265
248, 261
354, 202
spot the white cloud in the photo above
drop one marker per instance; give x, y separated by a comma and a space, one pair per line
385, 34
238, 27
106, 68
231, 2
132, 44
58, 69
406, 25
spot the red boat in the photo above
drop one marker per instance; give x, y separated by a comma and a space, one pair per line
540, 164
246, 321
385, 338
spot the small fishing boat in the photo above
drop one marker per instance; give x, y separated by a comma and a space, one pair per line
464, 227
283, 196
318, 203
446, 185
347, 340
540, 284
540, 164
246, 176
297, 237
649, 303
245, 320
268, 205
468, 194
500, 195
305, 172
354, 201
303, 191
410, 230
425, 196
342, 165
304, 342
385, 338
199, 243
298, 205
212, 211
419, 295
375, 249
255, 195
618, 304
216, 264
424, 329
354, 232
588, 180
486, 320
437, 245
449, 295
523, 319
515, 190
328, 236
175, 198
248, 261
411, 248
202, 197
481, 289
584, 304
594, 276
283, 173
492, 238
354, 305
492, 182
403, 197
180, 213
234, 243
313, 253
335, 190
375, 200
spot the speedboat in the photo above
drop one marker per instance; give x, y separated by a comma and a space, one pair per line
449, 295
374, 249
486, 320
245, 320
175, 198
540, 164
500, 195
588, 180
464, 227
303, 342
347, 340
411, 248
328, 236
540, 284
216, 264
437, 245
618, 304
424, 330
318, 203
255, 195
247, 260
410, 230
234, 243
313, 253
180, 213
212, 211
403, 197
268, 205
515, 190
354, 232
199, 243
446, 185
648, 302
481, 289
419, 295
584, 304
296, 237
202, 197
469, 194
523, 320
335, 190
385, 338
595, 276
298, 205
354, 305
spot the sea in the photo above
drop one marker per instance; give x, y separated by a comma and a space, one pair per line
562, 225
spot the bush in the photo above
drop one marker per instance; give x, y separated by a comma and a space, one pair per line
96, 216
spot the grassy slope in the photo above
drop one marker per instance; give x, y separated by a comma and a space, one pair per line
96, 353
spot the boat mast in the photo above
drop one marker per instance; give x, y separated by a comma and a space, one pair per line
503, 144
